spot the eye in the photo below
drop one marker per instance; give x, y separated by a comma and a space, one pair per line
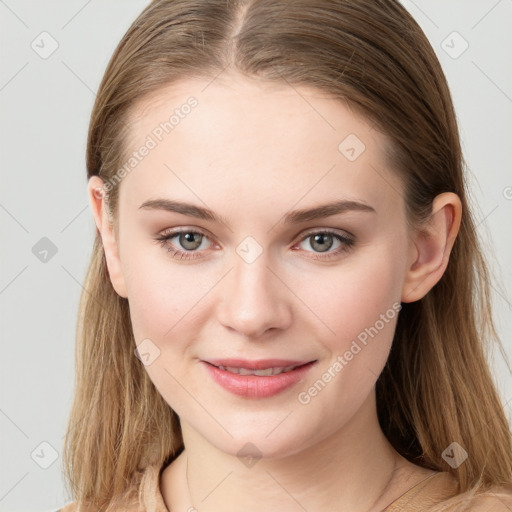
188, 243
323, 241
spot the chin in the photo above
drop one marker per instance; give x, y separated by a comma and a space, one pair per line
254, 444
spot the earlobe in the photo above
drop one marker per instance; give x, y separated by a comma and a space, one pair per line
432, 245
106, 230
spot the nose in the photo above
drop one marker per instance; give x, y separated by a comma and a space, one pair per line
253, 300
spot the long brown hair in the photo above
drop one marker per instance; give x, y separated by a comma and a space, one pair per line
436, 387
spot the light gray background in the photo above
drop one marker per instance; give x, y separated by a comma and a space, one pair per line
46, 103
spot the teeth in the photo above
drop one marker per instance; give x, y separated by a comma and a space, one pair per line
267, 372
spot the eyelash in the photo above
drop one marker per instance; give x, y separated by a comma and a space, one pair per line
191, 255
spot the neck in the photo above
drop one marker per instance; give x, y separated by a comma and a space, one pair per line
354, 468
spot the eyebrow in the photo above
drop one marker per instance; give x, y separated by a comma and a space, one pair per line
294, 217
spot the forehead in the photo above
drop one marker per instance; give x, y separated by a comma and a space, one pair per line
243, 139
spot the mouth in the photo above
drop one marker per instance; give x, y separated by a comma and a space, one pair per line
267, 372
258, 364
257, 379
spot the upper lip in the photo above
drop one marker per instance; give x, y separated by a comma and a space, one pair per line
260, 364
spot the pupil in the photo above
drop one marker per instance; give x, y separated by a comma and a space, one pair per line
187, 240
320, 239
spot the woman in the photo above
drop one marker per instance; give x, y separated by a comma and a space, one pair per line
287, 303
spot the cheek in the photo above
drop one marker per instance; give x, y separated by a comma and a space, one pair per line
164, 302
162, 294
169, 306
360, 303
349, 311
354, 295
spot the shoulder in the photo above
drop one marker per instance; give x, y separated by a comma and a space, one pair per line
439, 493
70, 507
143, 493
496, 499
127, 507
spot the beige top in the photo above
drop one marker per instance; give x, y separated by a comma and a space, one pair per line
419, 498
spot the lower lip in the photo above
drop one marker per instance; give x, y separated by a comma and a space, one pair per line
253, 386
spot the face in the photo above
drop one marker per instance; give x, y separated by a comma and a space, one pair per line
244, 273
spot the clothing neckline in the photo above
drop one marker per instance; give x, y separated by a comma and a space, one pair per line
397, 503
160, 505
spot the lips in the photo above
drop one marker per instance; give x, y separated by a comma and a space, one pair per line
267, 372
256, 379
260, 364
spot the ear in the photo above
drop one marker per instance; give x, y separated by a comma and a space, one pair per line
104, 225
431, 246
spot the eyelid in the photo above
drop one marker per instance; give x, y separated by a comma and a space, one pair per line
171, 232
345, 238
334, 231
303, 234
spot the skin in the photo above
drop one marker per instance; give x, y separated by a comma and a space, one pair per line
252, 152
